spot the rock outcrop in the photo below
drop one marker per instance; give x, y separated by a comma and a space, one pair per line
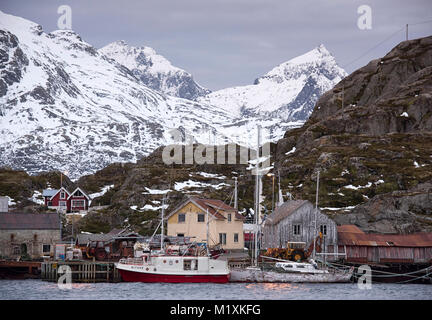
370, 135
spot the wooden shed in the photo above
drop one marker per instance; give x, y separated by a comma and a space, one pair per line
369, 248
294, 221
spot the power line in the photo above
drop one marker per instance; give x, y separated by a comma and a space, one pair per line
389, 37
373, 48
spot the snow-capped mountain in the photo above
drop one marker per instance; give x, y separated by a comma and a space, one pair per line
63, 105
288, 92
154, 70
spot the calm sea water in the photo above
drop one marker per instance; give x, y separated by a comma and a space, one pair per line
40, 290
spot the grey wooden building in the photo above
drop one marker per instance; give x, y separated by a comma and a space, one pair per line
30, 235
294, 221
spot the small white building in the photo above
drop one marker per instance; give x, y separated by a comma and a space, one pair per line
4, 204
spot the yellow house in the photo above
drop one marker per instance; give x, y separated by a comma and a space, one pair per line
225, 223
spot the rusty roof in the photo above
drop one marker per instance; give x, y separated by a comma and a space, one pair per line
214, 206
351, 235
284, 210
29, 221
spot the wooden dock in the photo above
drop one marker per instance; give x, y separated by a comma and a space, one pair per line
82, 271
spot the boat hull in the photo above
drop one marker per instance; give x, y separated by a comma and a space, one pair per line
245, 275
132, 276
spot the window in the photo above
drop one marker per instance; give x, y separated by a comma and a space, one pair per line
181, 217
49, 203
62, 203
78, 203
180, 234
186, 264
222, 238
16, 250
235, 237
229, 217
46, 248
323, 229
297, 229
200, 217
62, 195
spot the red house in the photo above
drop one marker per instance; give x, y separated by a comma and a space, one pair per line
67, 201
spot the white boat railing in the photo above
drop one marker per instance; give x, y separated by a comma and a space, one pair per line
136, 261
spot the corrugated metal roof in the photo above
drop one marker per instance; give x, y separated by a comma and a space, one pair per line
29, 221
284, 210
49, 192
353, 236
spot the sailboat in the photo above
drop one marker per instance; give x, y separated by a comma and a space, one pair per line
178, 267
284, 270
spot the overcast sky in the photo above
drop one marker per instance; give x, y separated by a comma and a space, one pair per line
225, 43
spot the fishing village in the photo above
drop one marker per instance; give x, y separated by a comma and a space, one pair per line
208, 240
215, 151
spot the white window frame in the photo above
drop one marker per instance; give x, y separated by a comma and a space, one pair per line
222, 238
75, 201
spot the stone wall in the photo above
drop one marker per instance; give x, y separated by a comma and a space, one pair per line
14, 243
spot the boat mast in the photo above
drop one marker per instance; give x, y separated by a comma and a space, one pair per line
207, 225
162, 222
235, 194
316, 211
257, 196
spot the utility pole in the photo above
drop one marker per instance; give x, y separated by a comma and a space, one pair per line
407, 31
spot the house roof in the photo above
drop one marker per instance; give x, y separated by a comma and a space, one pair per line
29, 221
284, 210
213, 206
49, 192
351, 235
79, 189
62, 188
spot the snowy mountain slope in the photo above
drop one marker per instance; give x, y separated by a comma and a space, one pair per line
288, 92
154, 70
65, 106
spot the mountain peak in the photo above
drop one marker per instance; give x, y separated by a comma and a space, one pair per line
154, 70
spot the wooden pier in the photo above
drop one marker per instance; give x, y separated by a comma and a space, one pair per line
82, 271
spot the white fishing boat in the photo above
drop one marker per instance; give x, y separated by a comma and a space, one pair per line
305, 275
172, 264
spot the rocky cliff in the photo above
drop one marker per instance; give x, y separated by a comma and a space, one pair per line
370, 135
